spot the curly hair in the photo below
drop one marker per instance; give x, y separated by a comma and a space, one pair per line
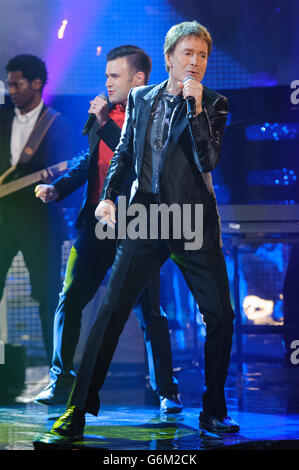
31, 66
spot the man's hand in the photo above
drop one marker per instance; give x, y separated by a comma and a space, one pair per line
195, 89
105, 213
46, 192
99, 107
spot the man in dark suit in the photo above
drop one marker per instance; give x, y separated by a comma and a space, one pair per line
90, 258
171, 158
26, 224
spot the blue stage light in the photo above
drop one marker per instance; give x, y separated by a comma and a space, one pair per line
276, 177
276, 131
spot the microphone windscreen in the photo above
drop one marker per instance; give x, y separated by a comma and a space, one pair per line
188, 78
103, 96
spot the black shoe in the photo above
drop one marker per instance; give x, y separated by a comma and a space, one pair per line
53, 394
170, 403
71, 424
213, 424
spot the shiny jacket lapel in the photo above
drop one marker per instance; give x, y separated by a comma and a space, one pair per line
177, 129
180, 125
143, 115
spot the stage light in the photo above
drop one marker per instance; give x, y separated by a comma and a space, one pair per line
256, 308
276, 131
99, 50
276, 177
62, 29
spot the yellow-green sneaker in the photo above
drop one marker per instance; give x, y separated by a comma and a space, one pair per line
71, 424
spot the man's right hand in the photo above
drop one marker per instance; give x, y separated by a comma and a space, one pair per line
46, 192
105, 213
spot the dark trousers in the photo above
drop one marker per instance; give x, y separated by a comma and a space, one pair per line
88, 263
135, 263
42, 256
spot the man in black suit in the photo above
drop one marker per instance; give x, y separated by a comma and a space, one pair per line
171, 158
32, 137
127, 66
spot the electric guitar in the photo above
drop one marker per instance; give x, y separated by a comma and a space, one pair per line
28, 180
37, 176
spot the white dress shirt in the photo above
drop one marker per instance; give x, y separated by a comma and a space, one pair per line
22, 126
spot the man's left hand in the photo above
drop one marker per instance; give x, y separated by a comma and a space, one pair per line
99, 107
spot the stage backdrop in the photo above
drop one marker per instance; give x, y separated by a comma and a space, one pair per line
255, 43
253, 62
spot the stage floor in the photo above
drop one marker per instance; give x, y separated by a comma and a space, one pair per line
262, 397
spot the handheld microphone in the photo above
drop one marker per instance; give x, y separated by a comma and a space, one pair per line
91, 118
88, 125
190, 101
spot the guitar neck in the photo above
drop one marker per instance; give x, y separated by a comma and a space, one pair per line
23, 182
28, 180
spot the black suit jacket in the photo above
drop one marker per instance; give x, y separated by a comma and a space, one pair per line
22, 210
85, 170
193, 151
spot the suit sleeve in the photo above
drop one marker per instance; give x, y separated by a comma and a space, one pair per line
78, 174
121, 167
60, 147
110, 133
206, 134
74, 178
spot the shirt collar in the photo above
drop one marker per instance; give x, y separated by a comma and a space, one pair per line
120, 108
31, 115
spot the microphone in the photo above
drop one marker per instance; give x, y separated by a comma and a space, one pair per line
88, 125
190, 101
92, 117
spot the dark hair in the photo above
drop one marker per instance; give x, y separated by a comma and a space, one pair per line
137, 58
31, 66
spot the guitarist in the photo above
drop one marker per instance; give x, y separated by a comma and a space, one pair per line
32, 137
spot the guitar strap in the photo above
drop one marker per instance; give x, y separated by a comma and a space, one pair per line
38, 133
